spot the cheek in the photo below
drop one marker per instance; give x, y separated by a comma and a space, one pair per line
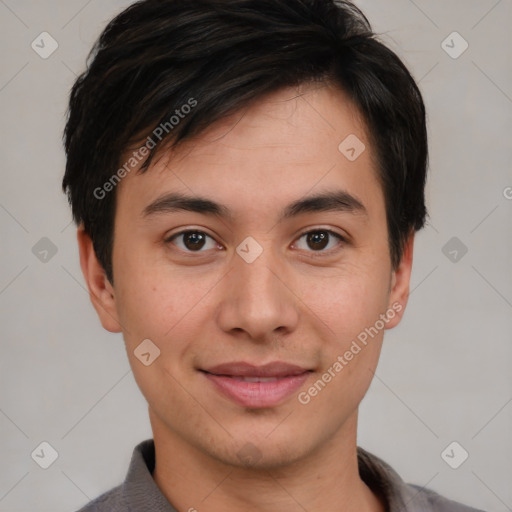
142, 307
358, 302
348, 303
169, 309
163, 312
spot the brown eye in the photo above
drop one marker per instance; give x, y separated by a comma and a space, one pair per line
192, 241
320, 239
317, 240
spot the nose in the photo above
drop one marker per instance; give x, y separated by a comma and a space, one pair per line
257, 299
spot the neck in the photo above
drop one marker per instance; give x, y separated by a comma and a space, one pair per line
326, 480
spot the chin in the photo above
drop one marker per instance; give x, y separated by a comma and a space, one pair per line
261, 454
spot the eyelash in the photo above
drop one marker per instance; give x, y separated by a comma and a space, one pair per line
314, 254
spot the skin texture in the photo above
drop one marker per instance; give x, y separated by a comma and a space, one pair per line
293, 304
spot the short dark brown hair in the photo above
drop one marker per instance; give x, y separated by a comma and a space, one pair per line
217, 56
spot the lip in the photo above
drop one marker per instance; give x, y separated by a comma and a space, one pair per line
269, 385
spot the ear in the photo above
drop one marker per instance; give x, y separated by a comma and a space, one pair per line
400, 280
101, 292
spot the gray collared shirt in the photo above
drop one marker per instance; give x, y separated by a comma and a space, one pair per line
139, 492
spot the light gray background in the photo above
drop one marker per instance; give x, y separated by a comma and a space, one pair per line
445, 371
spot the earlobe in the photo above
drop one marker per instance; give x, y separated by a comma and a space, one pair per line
400, 281
101, 291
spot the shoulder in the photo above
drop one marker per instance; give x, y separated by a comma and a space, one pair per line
428, 500
138, 492
110, 501
398, 495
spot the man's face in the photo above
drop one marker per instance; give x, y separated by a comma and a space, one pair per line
250, 309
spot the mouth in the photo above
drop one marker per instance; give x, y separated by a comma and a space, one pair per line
257, 386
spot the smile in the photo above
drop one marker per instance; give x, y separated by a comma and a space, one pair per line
257, 386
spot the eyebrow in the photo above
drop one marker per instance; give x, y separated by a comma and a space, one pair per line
336, 200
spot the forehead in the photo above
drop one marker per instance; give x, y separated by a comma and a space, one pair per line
297, 122
280, 147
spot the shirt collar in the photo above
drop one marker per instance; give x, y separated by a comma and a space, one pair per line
384, 481
139, 491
